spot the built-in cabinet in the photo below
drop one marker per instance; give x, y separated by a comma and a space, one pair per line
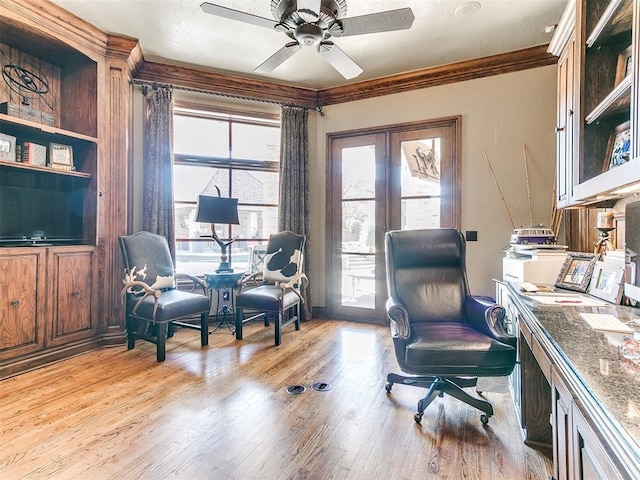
556, 408
62, 212
598, 79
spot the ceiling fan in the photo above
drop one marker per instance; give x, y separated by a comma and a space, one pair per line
314, 23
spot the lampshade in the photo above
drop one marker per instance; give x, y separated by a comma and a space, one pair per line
217, 210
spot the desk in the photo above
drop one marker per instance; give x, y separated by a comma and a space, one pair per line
223, 288
575, 375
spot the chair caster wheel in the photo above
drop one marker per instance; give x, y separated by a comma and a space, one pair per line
388, 386
484, 419
418, 417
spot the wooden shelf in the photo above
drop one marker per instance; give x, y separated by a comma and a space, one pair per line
615, 21
55, 171
27, 127
618, 100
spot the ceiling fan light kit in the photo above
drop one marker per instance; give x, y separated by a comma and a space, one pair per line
314, 23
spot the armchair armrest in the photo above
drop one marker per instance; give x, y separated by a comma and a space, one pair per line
256, 278
296, 283
398, 318
136, 287
195, 282
488, 317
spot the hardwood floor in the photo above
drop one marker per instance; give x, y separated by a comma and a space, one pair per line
223, 412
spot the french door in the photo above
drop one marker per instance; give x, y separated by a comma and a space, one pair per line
398, 177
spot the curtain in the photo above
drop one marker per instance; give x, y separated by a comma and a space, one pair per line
294, 184
157, 201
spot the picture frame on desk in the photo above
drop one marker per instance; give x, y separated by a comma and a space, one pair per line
576, 271
618, 147
607, 281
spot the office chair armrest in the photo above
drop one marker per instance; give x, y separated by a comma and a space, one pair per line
195, 282
398, 318
488, 317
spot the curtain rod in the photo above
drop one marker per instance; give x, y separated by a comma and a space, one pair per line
145, 84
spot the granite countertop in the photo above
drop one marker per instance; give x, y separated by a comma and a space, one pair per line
595, 357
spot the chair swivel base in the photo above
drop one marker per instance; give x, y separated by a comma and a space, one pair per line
437, 387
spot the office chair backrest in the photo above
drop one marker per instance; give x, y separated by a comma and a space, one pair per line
148, 259
426, 272
283, 259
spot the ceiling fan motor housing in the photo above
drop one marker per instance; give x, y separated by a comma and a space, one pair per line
305, 26
309, 34
282, 8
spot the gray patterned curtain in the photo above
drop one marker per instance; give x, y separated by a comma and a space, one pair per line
157, 202
294, 183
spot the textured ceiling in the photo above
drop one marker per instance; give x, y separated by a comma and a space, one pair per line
179, 32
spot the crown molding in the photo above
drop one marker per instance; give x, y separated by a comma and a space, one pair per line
238, 86
441, 75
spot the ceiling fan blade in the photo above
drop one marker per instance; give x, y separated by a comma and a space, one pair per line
400, 19
339, 60
278, 58
312, 5
237, 15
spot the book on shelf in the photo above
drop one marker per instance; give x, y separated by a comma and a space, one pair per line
34, 154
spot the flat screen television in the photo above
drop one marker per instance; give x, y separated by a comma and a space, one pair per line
37, 216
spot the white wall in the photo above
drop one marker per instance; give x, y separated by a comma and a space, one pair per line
499, 115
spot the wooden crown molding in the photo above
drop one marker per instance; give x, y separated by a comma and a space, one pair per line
235, 85
127, 49
441, 75
54, 22
225, 84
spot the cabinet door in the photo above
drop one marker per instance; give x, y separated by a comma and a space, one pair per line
561, 411
565, 128
71, 294
21, 303
590, 460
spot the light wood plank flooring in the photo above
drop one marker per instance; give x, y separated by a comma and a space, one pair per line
223, 413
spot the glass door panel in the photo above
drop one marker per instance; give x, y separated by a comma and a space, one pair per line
420, 183
358, 253
356, 287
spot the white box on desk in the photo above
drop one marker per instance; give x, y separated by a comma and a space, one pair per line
542, 269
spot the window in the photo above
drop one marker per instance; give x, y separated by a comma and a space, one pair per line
239, 154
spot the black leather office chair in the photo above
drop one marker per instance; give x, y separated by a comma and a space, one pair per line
444, 338
277, 288
151, 296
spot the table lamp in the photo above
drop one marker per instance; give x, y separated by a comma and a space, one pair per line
218, 210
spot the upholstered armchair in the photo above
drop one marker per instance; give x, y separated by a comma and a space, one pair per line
276, 290
444, 338
153, 303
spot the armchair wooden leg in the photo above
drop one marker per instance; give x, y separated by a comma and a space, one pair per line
238, 323
296, 311
131, 337
160, 339
278, 323
204, 329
